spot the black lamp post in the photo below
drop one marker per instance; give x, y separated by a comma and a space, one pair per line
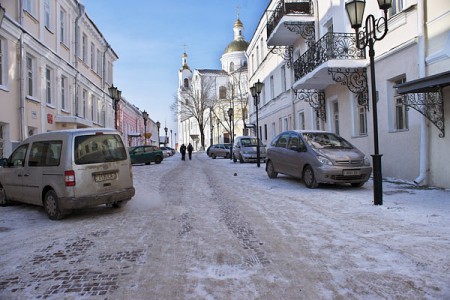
374, 30
255, 90
2, 14
158, 125
171, 143
145, 116
165, 140
115, 95
230, 115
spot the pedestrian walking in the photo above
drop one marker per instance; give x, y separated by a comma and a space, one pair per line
183, 151
190, 149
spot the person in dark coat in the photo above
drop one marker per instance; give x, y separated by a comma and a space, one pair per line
183, 151
190, 149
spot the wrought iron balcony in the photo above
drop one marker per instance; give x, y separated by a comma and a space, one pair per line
332, 46
288, 7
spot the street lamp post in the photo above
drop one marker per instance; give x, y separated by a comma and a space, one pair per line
230, 115
158, 125
171, 143
145, 116
115, 95
165, 140
374, 30
255, 90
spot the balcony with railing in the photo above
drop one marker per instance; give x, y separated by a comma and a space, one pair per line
332, 51
287, 20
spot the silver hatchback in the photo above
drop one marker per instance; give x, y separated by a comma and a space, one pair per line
317, 157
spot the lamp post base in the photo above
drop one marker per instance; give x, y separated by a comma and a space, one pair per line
377, 180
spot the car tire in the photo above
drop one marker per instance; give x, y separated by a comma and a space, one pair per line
147, 163
234, 158
51, 206
309, 178
158, 160
241, 159
3, 199
271, 170
213, 156
227, 155
357, 184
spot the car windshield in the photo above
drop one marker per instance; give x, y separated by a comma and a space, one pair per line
250, 142
99, 148
321, 140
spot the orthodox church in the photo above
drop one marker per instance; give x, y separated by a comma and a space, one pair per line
212, 104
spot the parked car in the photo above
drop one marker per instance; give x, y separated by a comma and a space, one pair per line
145, 155
220, 150
68, 169
167, 152
172, 150
317, 157
245, 149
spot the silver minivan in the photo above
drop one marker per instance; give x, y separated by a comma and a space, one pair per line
68, 169
317, 157
245, 149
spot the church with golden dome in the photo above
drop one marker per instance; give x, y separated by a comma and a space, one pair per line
212, 103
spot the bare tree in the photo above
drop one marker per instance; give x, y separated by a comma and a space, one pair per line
195, 102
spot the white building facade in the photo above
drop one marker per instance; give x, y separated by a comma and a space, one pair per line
316, 78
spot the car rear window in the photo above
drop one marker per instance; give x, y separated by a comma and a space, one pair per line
92, 149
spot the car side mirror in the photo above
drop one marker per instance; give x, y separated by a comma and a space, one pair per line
3, 162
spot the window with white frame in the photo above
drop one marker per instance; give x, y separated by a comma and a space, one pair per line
31, 75
301, 120
85, 93
63, 26
253, 63
336, 117
48, 14
285, 124
262, 48
63, 92
48, 85
362, 120
396, 7
274, 130
283, 78
401, 114
257, 55
92, 56
85, 48
272, 87
30, 7
99, 61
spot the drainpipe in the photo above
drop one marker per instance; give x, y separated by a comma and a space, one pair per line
23, 124
423, 159
77, 46
108, 46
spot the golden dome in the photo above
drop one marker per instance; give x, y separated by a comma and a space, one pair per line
235, 46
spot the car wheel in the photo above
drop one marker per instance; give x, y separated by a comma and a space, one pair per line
241, 159
271, 170
357, 184
158, 160
51, 206
117, 204
309, 179
234, 158
3, 199
213, 156
227, 155
147, 163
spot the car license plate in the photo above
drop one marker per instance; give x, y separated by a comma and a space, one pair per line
352, 172
105, 177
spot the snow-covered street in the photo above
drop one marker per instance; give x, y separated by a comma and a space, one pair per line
214, 229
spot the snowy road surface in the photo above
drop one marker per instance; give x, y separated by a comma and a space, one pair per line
212, 229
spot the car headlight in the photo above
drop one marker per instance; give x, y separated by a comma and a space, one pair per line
324, 160
366, 161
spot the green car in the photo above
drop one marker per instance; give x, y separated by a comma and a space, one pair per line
145, 155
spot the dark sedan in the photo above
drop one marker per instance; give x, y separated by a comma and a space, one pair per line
145, 155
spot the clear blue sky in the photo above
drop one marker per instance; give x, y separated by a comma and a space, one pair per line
149, 38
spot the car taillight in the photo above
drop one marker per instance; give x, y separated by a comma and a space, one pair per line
69, 178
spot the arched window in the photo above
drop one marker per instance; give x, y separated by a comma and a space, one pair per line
186, 83
231, 66
222, 92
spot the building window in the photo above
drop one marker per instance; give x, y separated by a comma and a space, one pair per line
85, 48
283, 78
30, 7
222, 92
257, 55
99, 61
63, 92
48, 85
397, 6
301, 120
231, 66
63, 26
262, 49
84, 103
186, 83
362, 113
265, 132
272, 87
92, 56
92, 108
31, 67
401, 115
336, 117
48, 14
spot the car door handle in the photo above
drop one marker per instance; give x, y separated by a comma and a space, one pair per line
26, 175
